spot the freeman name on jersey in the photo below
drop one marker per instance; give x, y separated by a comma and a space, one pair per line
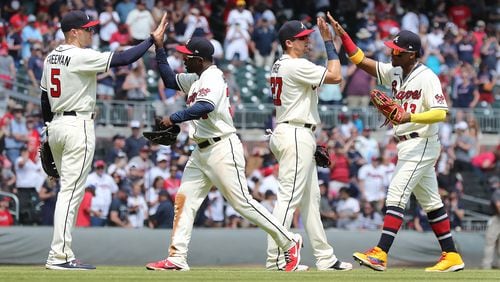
58, 59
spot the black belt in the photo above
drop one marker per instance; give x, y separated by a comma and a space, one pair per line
407, 137
73, 113
207, 143
306, 125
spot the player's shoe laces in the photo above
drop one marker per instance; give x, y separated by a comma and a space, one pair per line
375, 258
292, 256
339, 266
448, 262
70, 265
165, 265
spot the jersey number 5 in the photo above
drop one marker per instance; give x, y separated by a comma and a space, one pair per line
55, 88
276, 85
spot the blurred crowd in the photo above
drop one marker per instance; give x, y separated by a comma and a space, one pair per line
134, 183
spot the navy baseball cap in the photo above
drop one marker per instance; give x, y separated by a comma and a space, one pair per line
405, 40
76, 19
197, 46
293, 29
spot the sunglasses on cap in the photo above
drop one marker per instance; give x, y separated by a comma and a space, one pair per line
302, 38
193, 57
88, 29
397, 52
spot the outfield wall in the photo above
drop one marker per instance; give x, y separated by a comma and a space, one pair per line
209, 247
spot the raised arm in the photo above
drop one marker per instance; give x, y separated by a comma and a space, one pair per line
355, 54
333, 74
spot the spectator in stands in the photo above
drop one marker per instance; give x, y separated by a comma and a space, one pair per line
19, 19
160, 169
108, 20
31, 36
328, 215
137, 207
466, 47
269, 180
17, 134
435, 38
366, 145
347, 210
492, 233
121, 37
48, 196
410, 20
463, 145
236, 44
486, 81
152, 194
27, 184
240, 16
84, 215
358, 86
339, 170
105, 82
14, 43
7, 69
264, 43
119, 166
214, 212
489, 51
355, 159
372, 180
34, 139
118, 211
140, 22
455, 209
370, 218
195, 22
269, 200
164, 216
135, 142
420, 221
117, 148
123, 8
467, 93
105, 188
449, 50
137, 89
7, 176
35, 66
142, 161
459, 13
6, 218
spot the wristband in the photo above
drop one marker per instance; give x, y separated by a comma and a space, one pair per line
331, 53
357, 57
349, 46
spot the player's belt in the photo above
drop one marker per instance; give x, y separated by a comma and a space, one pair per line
207, 142
90, 115
407, 137
306, 125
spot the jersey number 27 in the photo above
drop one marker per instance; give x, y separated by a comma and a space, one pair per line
276, 86
55, 82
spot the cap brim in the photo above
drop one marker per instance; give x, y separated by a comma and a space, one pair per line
304, 33
90, 24
391, 45
183, 49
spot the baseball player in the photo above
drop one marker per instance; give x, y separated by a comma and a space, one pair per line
218, 159
294, 82
418, 91
68, 99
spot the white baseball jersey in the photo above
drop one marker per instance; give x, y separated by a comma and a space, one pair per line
419, 92
212, 88
294, 82
69, 77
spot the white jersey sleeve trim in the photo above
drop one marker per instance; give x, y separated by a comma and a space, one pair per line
205, 100
179, 84
108, 64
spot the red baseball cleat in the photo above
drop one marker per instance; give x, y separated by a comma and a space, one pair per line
292, 256
165, 265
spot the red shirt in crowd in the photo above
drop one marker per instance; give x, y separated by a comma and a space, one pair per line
172, 186
459, 15
340, 168
33, 144
6, 218
83, 218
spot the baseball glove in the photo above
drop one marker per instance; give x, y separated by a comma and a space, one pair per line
322, 156
162, 134
47, 160
388, 107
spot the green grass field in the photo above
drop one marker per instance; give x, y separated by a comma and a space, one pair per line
133, 273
